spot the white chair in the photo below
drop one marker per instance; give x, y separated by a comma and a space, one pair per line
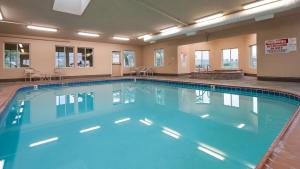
58, 73
32, 74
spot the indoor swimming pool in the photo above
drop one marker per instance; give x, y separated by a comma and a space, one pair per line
141, 124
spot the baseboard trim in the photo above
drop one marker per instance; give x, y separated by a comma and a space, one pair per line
56, 78
171, 74
279, 79
250, 74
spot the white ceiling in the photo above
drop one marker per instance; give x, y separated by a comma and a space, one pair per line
129, 18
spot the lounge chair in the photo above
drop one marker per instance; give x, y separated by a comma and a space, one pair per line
58, 73
147, 71
33, 74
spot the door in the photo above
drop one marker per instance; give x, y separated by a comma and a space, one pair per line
116, 64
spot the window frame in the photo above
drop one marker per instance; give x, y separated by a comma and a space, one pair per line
75, 58
231, 100
17, 43
134, 63
202, 57
162, 63
84, 57
251, 58
222, 57
120, 58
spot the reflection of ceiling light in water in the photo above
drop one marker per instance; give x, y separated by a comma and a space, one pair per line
205, 116
171, 132
2, 164
242, 125
146, 121
122, 120
18, 117
21, 110
22, 103
211, 153
89, 129
43, 142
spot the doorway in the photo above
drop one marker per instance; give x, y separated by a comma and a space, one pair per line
116, 64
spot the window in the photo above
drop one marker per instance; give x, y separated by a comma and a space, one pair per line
230, 58
116, 96
160, 96
16, 55
129, 58
253, 56
159, 58
129, 95
255, 104
64, 57
202, 97
116, 57
85, 102
231, 100
201, 58
85, 57
65, 105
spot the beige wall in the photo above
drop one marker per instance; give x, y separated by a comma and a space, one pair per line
185, 54
42, 56
170, 57
215, 47
240, 35
279, 65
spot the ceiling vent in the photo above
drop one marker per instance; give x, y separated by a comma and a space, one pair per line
75, 7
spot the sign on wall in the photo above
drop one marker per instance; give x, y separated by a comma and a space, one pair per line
284, 45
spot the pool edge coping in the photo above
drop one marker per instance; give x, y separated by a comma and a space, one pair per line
259, 165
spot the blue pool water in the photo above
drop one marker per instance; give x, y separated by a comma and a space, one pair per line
139, 125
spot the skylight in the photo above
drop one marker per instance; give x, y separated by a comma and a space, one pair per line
75, 7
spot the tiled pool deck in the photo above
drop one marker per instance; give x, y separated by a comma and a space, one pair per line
285, 151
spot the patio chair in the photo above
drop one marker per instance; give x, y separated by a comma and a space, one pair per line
147, 71
32, 73
58, 73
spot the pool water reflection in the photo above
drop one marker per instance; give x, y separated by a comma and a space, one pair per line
139, 125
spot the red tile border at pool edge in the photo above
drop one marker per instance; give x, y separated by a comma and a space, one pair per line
265, 158
277, 140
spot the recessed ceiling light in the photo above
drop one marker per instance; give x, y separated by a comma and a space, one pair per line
258, 3
121, 38
170, 31
88, 34
211, 17
1, 17
144, 36
39, 28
